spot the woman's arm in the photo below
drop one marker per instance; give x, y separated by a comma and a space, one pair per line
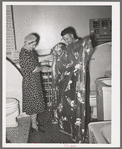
41, 68
42, 58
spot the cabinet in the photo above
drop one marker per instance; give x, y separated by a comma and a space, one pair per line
100, 132
100, 30
103, 89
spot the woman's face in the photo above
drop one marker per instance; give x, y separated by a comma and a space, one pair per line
32, 45
68, 38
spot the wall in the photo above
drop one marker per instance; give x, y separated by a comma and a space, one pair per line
49, 21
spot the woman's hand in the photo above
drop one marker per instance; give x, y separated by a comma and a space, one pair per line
37, 69
41, 68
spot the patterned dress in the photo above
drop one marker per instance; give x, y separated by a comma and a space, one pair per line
33, 101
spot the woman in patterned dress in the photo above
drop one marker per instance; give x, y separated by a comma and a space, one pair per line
33, 100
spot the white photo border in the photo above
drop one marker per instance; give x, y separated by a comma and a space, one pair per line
115, 73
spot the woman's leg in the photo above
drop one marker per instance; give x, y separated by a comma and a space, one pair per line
34, 121
34, 124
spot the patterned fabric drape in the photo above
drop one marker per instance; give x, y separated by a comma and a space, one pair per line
71, 76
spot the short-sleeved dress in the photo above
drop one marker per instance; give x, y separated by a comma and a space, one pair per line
33, 100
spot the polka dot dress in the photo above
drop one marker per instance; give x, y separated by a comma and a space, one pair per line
33, 101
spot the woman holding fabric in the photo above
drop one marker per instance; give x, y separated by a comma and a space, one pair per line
73, 82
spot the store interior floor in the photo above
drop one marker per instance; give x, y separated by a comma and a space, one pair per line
23, 134
51, 135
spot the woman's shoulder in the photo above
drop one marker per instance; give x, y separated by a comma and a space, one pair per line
78, 43
23, 52
82, 42
22, 49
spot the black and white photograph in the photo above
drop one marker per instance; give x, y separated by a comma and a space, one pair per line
61, 74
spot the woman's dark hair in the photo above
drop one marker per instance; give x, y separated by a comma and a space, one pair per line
70, 30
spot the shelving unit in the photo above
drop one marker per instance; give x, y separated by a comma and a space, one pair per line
46, 78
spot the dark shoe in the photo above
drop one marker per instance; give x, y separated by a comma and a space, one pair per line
41, 130
33, 130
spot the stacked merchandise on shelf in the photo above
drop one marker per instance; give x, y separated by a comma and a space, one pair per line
46, 78
50, 96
